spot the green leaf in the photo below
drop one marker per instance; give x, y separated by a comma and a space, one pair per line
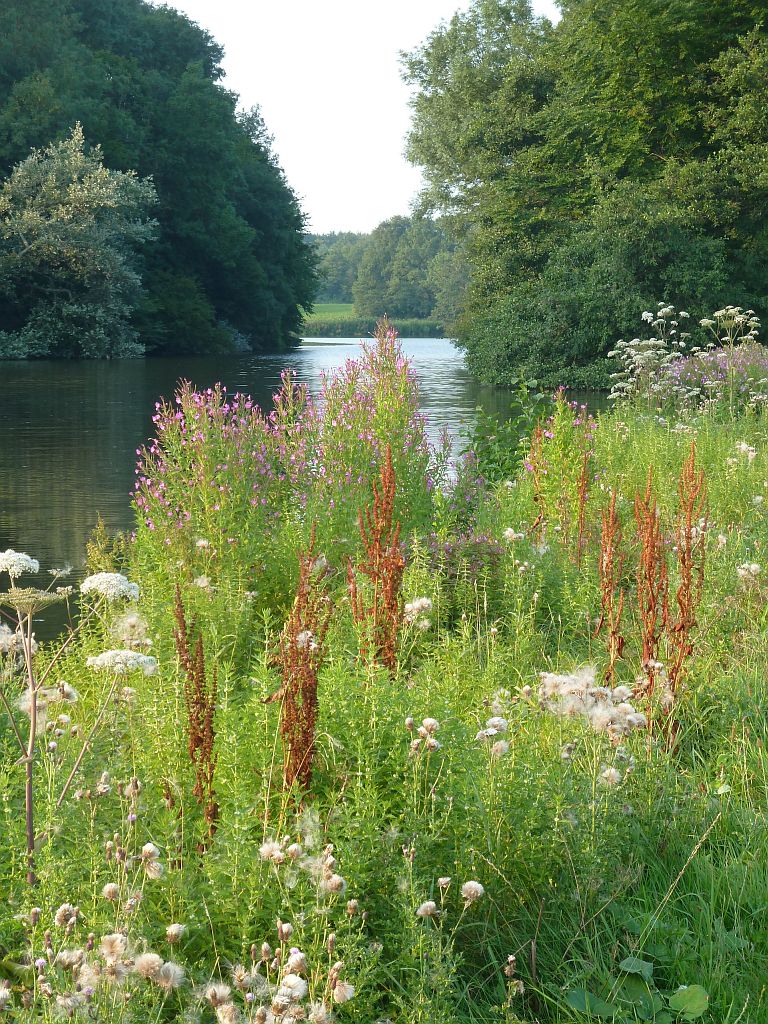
643, 997
580, 999
690, 1000
634, 965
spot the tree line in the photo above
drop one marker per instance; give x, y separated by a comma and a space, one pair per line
141, 210
406, 267
593, 167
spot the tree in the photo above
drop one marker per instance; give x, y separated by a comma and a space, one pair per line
596, 157
70, 235
231, 265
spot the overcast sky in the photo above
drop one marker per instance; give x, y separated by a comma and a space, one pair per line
326, 75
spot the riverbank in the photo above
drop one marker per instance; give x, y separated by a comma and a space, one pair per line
339, 320
312, 731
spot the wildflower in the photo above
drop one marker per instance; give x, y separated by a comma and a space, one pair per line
70, 1002
148, 965
414, 609
122, 662
111, 891
472, 891
217, 993
149, 852
428, 909
169, 976
175, 932
499, 748
111, 585
284, 930
748, 571
319, 1014
294, 851
352, 907
203, 582
202, 543
497, 723
227, 1013
512, 535
758, 499
443, 883
335, 884
69, 959
428, 727
343, 992
153, 869
6, 995
410, 725
610, 777
296, 962
113, 947
16, 562
66, 915
293, 987
273, 851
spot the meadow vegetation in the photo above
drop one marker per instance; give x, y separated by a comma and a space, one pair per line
348, 730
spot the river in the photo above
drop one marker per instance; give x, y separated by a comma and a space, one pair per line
69, 430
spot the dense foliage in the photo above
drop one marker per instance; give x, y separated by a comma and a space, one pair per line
595, 166
69, 234
230, 266
479, 829
407, 267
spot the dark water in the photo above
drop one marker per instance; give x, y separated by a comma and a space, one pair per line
69, 431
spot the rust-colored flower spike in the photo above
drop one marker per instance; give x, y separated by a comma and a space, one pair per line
381, 613
652, 579
200, 700
611, 592
690, 530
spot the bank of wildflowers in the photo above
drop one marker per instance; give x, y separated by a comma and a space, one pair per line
345, 735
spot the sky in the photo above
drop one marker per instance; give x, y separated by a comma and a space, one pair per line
326, 76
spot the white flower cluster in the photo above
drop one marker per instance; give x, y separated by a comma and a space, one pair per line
733, 325
493, 734
576, 695
425, 739
15, 563
416, 612
111, 585
512, 535
748, 572
123, 662
746, 449
643, 358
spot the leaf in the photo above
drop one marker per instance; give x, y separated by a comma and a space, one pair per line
642, 996
580, 999
690, 1000
634, 965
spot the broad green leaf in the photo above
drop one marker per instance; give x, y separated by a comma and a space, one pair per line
587, 1002
634, 965
690, 1000
644, 998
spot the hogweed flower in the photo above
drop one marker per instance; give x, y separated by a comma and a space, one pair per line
111, 585
16, 562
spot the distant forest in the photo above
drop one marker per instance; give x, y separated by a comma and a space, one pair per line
406, 267
184, 237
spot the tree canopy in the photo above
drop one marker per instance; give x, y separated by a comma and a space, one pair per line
230, 265
594, 166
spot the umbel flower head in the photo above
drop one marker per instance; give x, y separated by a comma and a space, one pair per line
111, 585
16, 562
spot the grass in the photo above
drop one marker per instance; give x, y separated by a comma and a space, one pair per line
332, 311
617, 863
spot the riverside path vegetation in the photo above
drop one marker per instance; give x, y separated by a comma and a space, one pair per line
592, 166
229, 269
344, 733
